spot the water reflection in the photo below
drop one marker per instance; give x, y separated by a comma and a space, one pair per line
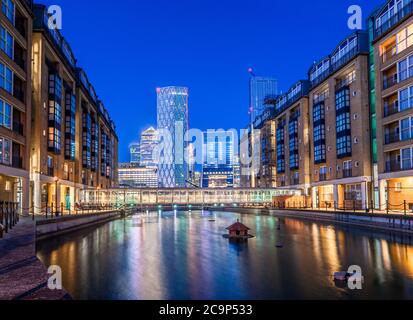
184, 256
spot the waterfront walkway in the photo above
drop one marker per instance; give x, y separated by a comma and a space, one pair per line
22, 275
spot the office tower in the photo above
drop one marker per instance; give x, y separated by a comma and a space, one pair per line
218, 169
135, 152
172, 114
260, 89
132, 175
148, 144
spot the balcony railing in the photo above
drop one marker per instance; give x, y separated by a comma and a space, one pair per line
17, 162
19, 94
18, 128
50, 172
322, 177
394, 20
295, 181
347, 173
390, 109
391, 137
390, 81
389, 53
394, 166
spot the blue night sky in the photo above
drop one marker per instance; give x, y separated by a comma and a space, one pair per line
129, 48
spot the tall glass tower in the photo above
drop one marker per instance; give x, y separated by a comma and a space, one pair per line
135, 156
149, 141
219, 153
260, 89
172, 127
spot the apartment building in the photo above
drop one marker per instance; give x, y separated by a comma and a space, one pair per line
392, 47
73, 140
292, 138
340, 163
15, 101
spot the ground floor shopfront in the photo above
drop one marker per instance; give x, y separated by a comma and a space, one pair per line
14, 187
396, 191
342, 194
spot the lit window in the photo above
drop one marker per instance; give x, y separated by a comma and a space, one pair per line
5, 114
7, 7
6, 42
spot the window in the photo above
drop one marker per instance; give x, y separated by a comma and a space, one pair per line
343, 122
70, 132
353, 192
404, 38
405, 68
5, 151
406, 99
319, 69
407, 158
398, 187
7, 7
5, 114
406, 129
344, 146
344, 49
347, 165
319, 153
6, 78
6, 42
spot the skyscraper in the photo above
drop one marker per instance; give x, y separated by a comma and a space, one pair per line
218, 169
135, 154
172, 117
260, 89
149, 141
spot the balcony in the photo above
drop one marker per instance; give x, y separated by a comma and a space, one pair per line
395, 166
295, 181
322, 177
394, 20
389, 53
347, 173
390, 109
390, 81
18, 128
17, 162
391, 137
50, 172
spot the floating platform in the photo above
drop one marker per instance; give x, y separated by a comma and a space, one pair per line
227, 236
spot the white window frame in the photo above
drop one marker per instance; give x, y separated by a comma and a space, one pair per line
4, 40
3, 105
2, 158
3, 78
410, 98
402, 159
410, 128
6, 4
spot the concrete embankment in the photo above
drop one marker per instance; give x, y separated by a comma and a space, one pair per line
22, 275
57, 226
390, 222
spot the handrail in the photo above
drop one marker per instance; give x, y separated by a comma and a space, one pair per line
9, 216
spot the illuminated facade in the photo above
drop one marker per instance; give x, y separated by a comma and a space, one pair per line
137, 176
391, 34
260, 89
135, 152
73, 144
172, 114
15, 102
148, 144
218, 169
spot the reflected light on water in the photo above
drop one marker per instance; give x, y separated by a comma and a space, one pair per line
174, 255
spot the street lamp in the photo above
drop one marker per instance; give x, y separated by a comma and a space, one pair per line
56, 180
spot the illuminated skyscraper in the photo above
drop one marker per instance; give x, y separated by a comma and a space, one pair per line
172, 127
149, 141
260, 89
134, 149
219, 153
